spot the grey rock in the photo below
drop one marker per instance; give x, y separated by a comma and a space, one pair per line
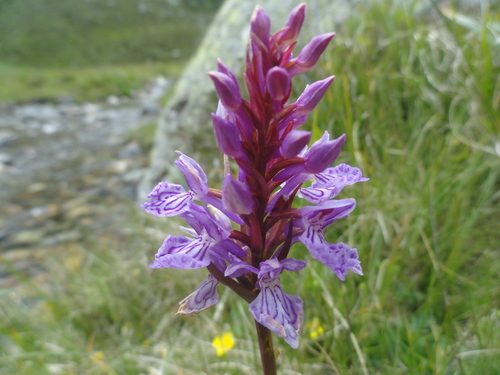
131, 150
150, 109
51, 128
6, 159
27, 237
7, 137
38, 112
113, 100
62, 237
44, 212
134, 176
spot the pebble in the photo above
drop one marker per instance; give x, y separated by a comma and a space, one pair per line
28, 237
131, 150
45, 212
113, 100
118, 166
6, 159
36, 187
7, 138
61, 237
51, 128
79, 211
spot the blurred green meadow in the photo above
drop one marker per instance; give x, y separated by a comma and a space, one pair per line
86, 50
419, 99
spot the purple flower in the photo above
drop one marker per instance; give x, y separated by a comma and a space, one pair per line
316, 218
309, 55
339, 258
201, 299
280, 312
312, 95
227, 89
330, 183
323, 153
341, 175
170, 199
210, 242
312, 162
167, 200
238, 267
290, 32
278, 83
315, 160
227, 136
244, 232
294, 143
236, 196
260, 25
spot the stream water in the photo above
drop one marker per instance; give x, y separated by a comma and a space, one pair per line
64, 168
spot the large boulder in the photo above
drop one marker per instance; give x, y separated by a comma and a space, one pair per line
184, 123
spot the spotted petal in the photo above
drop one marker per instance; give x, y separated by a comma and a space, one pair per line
201, 299
316, 218
180, 252
167, 199
238, 268
339, 176
318, 195
279, 312
340, 258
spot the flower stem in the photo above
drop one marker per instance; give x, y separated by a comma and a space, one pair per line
266, 349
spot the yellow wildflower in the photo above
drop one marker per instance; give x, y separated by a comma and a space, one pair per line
315, 328
223, 343
99, 355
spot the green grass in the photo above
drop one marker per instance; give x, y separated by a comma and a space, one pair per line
419, 102
26, 84
47, 33
88, 50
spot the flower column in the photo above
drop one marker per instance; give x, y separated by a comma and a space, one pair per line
243, 233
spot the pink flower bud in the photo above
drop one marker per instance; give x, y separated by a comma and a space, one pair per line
292, 28
227, 89
278, 83
260, 25
222, 68
311, 96
309, 55
323, 153
294, 142
227, 136
236, 196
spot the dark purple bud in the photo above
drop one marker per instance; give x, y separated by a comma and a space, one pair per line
222, 68
278, 83
311, 96
323, 153
227, 89
227, 136
310, 54
260, 25
236, 196
292, 28
294, 142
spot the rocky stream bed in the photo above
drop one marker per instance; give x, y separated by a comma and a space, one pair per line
65, 170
